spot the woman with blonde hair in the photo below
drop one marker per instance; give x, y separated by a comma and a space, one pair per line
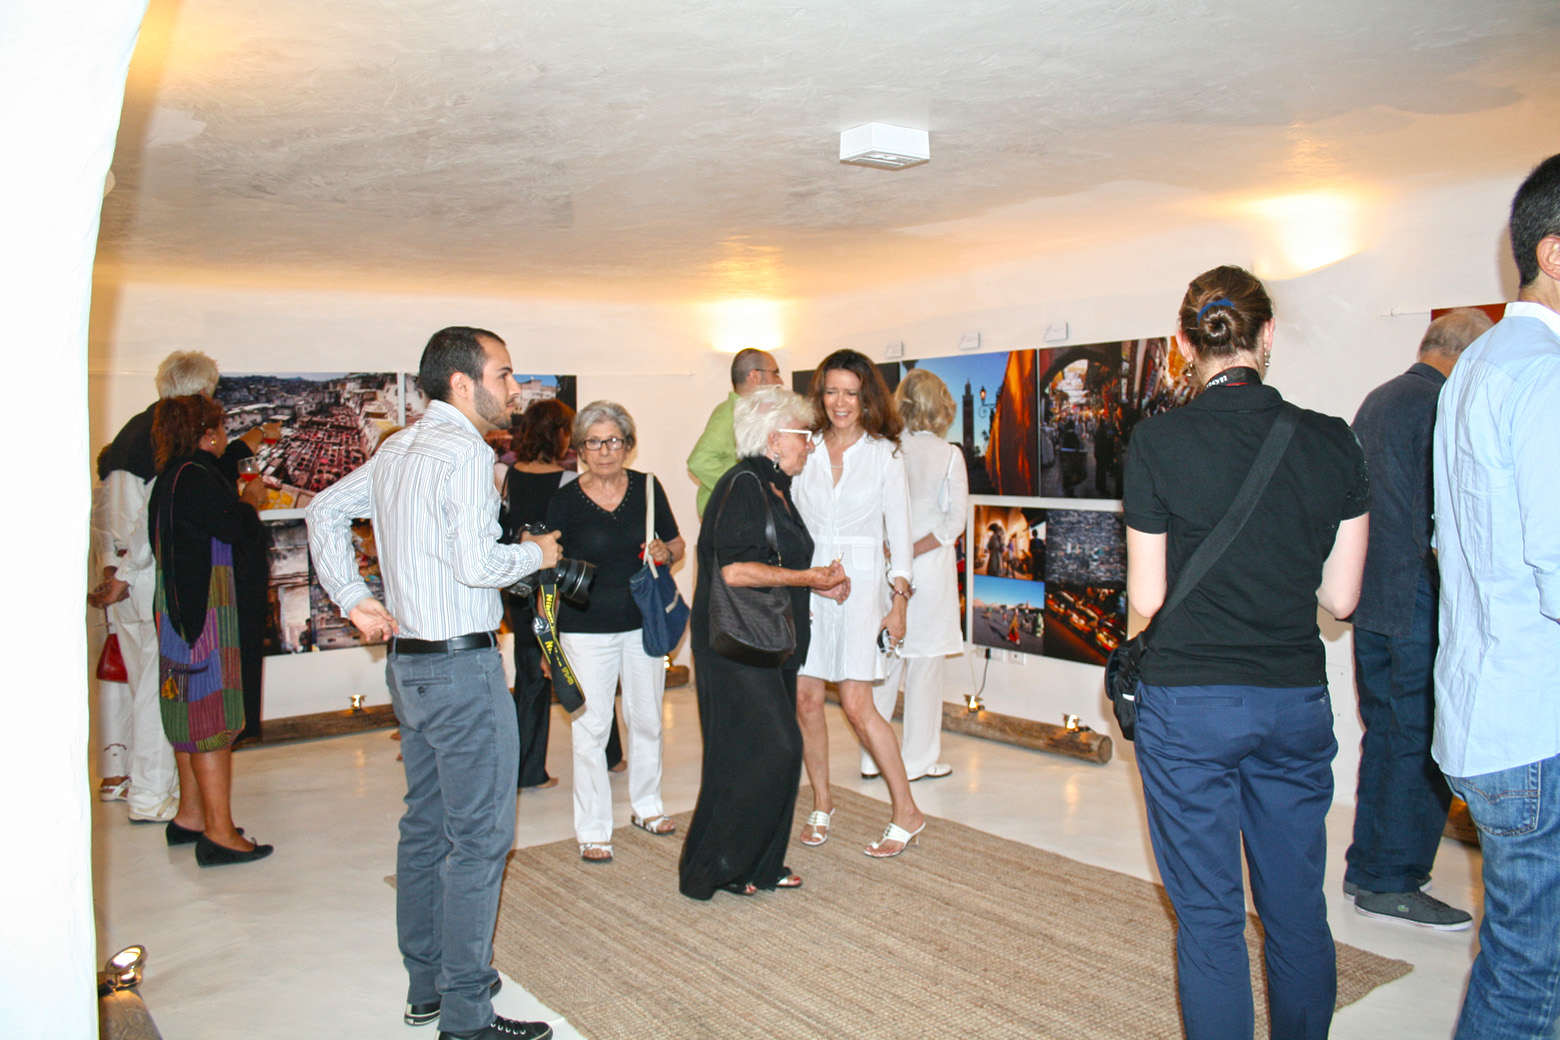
747, 712
938, 486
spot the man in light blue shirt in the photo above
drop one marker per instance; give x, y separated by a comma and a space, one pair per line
1497, 676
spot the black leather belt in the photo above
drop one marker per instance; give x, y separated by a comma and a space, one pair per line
475, 641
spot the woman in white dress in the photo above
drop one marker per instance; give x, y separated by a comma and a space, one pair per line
939, 490
853, 498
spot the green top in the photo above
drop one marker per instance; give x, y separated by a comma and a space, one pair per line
716, 451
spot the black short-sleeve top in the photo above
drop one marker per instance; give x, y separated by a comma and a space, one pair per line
1251, 621
734, 532
612, 542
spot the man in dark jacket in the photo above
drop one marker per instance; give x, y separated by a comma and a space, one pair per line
1401, 801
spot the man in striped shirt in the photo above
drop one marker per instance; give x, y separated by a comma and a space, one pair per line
429, 492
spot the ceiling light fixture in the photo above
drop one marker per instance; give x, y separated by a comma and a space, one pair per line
884, 146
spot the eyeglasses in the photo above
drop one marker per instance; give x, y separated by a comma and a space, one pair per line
610, 444
786, 429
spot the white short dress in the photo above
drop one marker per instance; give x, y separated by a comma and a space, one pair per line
939, 495
852, 520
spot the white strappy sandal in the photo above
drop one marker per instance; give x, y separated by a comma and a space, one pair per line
819, 822
893, 834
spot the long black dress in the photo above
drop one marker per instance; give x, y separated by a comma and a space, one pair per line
752, 743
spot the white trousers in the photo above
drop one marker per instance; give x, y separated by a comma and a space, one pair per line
153, 778
600, 660
921, 741
113, 729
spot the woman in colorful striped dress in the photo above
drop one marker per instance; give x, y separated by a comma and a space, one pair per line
211, 551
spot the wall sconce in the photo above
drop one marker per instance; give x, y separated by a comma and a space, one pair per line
1070, 723
357, 702
972, 703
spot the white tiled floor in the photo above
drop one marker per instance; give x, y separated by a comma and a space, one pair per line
304, 943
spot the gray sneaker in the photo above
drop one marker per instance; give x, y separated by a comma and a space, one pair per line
1412, 908
1350, 889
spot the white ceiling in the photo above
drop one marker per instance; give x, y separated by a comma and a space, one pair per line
688, 149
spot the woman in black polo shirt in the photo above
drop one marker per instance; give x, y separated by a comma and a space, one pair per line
1234, 739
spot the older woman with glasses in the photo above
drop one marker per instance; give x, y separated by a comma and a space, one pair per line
747, 714
601, 517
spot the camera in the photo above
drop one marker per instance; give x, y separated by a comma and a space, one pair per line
572, 577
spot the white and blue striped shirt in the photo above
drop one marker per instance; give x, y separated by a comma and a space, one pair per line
429, 492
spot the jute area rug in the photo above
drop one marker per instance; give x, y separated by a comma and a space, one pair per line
970, 935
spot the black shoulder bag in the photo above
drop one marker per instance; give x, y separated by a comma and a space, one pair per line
751, 626
1123, 664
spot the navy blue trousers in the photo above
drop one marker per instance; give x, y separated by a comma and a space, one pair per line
1227, 764
1401, 802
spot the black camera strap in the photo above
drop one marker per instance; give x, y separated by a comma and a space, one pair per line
545, 625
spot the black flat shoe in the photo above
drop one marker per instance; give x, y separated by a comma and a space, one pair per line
184, 836
209, 854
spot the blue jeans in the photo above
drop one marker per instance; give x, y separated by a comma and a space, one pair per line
1401, 801
1222, 764
461, 748
1514, 989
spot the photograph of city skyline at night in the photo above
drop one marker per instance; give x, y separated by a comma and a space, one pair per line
331, 422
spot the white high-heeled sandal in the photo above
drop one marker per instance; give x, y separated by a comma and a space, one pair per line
893, 833
819, 822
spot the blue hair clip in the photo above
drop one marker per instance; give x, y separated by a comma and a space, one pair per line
1220, 302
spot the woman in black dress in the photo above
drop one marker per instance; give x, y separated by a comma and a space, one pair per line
752, 743
212, 569
541, 440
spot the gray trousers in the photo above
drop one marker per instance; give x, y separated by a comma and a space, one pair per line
461, 748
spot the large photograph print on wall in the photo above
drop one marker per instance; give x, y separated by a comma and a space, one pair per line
1007, 563
994, 419
301, 617
1007, 613
331, 422
287, 592
1085, 584
527, 389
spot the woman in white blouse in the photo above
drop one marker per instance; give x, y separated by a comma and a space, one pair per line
939, 489
853, 498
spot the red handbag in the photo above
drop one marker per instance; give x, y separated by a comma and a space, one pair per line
111, 663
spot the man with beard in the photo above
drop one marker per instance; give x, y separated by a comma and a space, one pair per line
429, 492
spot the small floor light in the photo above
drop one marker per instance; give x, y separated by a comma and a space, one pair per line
972, 703
122, 970
1070, 722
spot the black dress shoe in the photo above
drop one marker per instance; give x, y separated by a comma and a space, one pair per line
424, 1014
504, 1029
184, 836
209, 854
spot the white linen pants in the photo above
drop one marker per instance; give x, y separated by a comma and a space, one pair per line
153, 778
921, 741
600, 660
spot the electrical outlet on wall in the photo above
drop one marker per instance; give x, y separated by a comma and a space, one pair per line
1018, 657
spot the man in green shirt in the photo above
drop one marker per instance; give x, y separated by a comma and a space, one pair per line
716, 451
